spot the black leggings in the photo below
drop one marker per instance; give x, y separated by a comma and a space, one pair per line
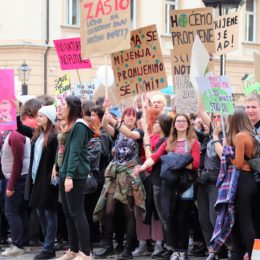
243, 233
130, 220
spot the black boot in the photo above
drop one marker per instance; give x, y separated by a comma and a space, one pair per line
125, 254
104, 252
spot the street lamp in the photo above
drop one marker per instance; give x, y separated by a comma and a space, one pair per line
24, 74
224, 6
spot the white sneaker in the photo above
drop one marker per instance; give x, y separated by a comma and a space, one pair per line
157, 250
13, 251
175, 256
141, 250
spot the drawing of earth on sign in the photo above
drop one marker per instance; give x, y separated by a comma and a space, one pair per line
217, 100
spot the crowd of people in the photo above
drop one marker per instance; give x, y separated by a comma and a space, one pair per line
144, 182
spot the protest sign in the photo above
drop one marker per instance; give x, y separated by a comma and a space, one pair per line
69, 54
7, 95
140, 69
226, 33
186, 99
216, 94
62, 89
85, 90
104, 27
257, 66
185, 25
199, 61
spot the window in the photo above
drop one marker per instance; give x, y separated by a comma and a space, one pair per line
73, 12
133, 14
169, 6
250, 20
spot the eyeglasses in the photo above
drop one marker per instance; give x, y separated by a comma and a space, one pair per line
181, 121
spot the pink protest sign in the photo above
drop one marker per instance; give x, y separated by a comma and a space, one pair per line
7, 106
68, 51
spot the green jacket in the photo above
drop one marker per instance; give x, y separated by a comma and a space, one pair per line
75, 162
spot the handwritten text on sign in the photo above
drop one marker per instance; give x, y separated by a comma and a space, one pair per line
68, 51
140, 69
216, 94
104, 26
185, 24
186, 98
63, 89
86, 90
226, 33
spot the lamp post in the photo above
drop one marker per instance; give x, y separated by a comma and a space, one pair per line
24, 75
224, 6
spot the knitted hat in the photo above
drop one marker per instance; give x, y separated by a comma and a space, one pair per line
49, 111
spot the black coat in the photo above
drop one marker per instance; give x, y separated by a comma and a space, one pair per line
42, 194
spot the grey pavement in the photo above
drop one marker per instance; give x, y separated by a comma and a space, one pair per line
35, 250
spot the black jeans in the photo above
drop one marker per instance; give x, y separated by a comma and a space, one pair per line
243, 233
206, 198
77, 223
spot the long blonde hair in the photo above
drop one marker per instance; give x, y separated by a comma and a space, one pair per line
190, 134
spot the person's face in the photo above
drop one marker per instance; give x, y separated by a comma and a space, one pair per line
65, 111
42, 120
156, 127
95, 118
181, 124
130, 120
216, 118
158, 105
253, 111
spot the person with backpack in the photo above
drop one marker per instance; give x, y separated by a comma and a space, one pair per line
182, 141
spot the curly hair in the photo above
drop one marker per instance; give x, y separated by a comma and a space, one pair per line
30, 108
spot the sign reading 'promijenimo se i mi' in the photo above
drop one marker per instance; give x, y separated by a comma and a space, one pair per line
105, 27
141, 68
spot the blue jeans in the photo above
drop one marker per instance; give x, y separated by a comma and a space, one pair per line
16, 212
49, 225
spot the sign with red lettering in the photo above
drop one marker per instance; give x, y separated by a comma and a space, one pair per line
141, 68
226, 33
185, 24
7, 106
105, 27
68, 51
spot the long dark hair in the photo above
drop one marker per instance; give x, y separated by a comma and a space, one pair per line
190, 134
165, 122
48, 133
74, 104
238, 122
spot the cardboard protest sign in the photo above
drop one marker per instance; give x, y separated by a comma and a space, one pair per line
216, 94
85, 90
140, 69
226, 33
186, 99
185, 25
7, 95
69, 54
257, 66
104, 27
62, 89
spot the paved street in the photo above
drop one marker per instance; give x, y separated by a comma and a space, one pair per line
34, 251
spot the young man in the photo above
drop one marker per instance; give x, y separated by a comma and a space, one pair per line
252, 105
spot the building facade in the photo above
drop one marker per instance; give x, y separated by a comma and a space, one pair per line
28, 28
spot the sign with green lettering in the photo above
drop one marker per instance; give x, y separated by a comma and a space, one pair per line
216, 94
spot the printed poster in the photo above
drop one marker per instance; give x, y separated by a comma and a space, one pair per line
226, 33
62, 89
104, 27
186, 98
86, 90
69, 54
185, 25
7, 95
216, 94
140, 69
